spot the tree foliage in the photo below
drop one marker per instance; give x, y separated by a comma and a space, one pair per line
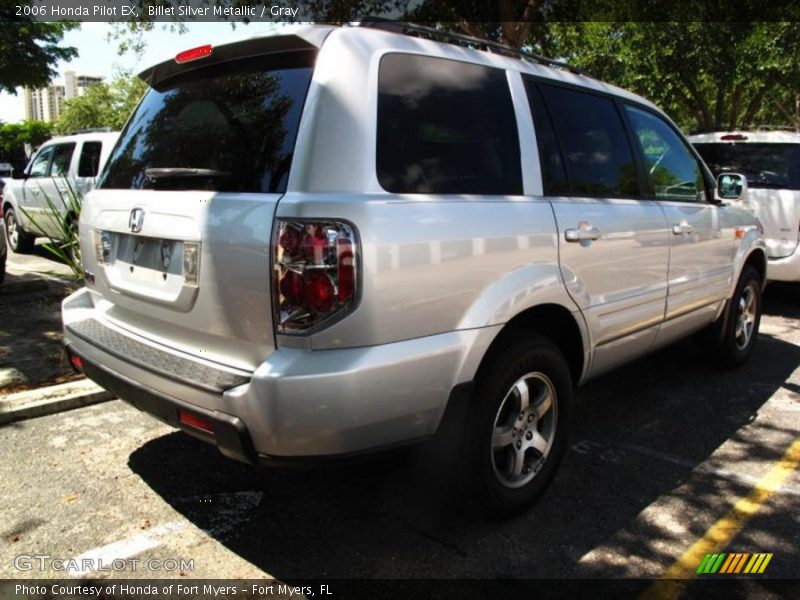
708, 76
102, 105
29, 50
14, 137
707, 73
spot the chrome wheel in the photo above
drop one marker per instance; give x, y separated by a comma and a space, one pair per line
12, 230
746, 316
524, 429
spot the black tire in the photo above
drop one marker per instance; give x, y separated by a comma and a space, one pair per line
2, 268
736, 345
489, 473
18, 240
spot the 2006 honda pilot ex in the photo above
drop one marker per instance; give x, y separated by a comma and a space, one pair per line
330, 242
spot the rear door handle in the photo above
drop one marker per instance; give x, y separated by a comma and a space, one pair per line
582, 235
682, 228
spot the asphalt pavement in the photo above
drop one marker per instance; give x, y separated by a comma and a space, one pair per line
670, 454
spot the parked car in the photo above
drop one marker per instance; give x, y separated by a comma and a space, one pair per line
345, 239
3, 250
70, 162
6, 170
771, 162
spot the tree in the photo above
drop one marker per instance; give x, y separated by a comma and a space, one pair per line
14, 137
29, 50
102, 105
708, 76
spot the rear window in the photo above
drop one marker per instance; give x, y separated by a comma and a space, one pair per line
765, 165
228, 127
445, 127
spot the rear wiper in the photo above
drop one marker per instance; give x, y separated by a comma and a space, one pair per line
171, 172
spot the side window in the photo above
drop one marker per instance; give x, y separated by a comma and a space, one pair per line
62, 157
674, 172
89, 163
596, 151
41, 164
445, 127
554, 177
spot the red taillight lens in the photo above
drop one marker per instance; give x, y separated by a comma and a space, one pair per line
290, 241
292, 287
76, 361
346, 266
193, 54
196, 422
319, 292
316, 275
733, 137
315, 244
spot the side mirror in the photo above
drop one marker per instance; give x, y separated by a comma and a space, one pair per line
731, 186
19, 174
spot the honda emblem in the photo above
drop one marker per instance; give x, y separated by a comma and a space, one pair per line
136, 220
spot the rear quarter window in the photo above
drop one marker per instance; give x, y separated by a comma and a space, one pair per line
445, 127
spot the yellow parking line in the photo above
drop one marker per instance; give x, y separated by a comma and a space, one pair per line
724, 530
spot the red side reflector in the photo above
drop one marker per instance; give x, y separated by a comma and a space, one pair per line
733, 137
76, 361
196, 422
193, 54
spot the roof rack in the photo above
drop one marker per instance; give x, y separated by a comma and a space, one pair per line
459, 39
90, 130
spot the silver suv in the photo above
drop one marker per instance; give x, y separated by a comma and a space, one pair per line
346, 239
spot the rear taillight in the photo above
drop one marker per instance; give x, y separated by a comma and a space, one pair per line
316, 274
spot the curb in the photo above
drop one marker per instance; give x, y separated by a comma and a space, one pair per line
51, 400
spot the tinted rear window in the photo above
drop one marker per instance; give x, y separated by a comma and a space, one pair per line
445, 127
235, 123
765, 165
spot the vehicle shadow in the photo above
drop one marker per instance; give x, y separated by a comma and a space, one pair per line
640, 431
782, 299
40, 251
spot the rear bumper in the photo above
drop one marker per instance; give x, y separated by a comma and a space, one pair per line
297, 403
784, 269
229, 433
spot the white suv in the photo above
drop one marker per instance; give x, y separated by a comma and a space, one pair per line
71, 162
771, 162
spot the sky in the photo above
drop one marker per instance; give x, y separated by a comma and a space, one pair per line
98, 56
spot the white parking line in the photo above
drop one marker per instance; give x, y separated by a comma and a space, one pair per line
105, 555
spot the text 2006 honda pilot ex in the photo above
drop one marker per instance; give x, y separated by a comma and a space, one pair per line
340, 240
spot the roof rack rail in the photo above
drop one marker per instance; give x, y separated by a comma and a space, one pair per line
459, 39
90, 130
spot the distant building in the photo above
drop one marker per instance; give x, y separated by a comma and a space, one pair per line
46, 104
75, 84
43, 104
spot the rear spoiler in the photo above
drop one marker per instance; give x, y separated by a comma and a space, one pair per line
303, 38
